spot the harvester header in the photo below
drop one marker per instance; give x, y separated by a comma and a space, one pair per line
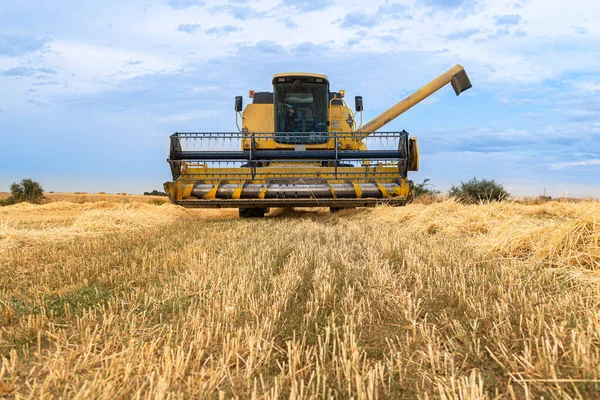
300, 147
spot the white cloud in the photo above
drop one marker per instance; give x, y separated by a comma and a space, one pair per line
574, 164
588, 86
15, 44
188, 116
509, 58
93, 68
185, 4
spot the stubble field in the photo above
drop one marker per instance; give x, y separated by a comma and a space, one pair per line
134, 300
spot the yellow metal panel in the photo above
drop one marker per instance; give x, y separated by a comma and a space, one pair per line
338, 122
306, 74
267, 142
237, 192
383, 190
338, 116
403, 190
414, 155
178, 190
212, 194
357, 190
333, 196
381, 173
259, 118
335, 111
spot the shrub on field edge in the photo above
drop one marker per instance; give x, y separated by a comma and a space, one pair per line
425, 188
155, 193
27, 190
157, 202
478, 190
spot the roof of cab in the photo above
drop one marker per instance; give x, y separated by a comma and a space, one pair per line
299, 74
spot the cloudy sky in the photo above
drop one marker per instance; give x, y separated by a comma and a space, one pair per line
90, 91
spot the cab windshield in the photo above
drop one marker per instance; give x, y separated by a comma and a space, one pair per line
301, 106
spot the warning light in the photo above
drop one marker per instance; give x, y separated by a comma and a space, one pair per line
251, 94
342, 92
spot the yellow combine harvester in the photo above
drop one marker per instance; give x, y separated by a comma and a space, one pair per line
300, 147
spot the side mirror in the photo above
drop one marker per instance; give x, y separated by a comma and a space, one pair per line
238, 103
358, 104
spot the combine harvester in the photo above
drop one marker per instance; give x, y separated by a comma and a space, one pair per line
300, 147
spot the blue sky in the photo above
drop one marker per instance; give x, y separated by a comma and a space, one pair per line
90, 91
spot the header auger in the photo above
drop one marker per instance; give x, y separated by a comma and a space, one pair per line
300, 147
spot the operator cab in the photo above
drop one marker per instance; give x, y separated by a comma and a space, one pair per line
301, 104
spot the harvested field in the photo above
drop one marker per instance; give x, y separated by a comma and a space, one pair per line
120, 300
82, 197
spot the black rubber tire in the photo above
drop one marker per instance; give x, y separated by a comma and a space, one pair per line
252, 212
334, 210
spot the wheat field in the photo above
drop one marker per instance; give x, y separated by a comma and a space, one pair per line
114, 299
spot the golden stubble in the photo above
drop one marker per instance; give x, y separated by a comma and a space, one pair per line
131, 300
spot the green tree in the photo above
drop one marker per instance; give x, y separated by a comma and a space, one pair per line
28, 190
478, 190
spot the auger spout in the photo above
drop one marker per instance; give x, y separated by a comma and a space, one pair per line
455, 75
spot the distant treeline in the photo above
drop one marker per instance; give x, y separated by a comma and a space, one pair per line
155, 193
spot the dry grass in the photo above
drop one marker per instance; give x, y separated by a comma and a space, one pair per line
82, 197
110, 300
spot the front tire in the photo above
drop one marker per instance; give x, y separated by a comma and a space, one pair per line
335, 210
252, 212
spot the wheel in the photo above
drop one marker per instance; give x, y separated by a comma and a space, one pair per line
334, 210
252, 212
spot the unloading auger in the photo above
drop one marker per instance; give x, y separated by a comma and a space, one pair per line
300, 147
